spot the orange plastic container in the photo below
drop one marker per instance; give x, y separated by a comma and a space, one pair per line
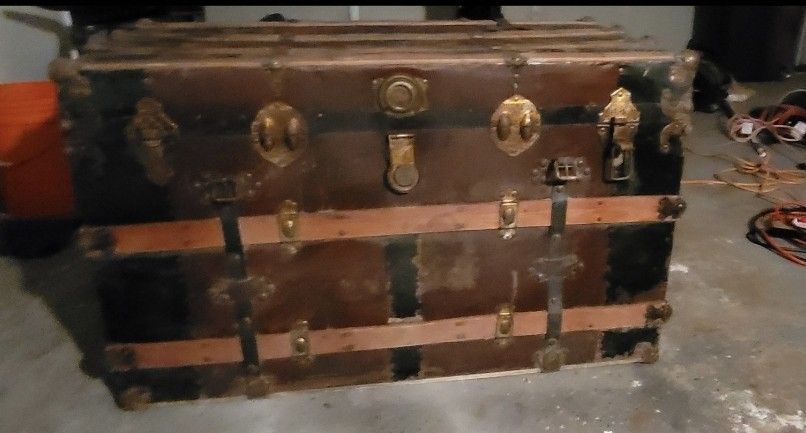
35, 177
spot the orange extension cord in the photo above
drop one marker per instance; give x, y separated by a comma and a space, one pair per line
776, 227
772, 119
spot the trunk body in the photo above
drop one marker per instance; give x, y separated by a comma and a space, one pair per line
284, 206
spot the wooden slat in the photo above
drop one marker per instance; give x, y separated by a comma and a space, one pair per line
404, 59
363, 223
171, 354
327, 27
104, 52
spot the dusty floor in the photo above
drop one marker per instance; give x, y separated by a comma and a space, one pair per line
733, 357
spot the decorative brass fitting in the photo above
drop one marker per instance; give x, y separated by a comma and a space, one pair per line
515, 125
401, 95
279, 133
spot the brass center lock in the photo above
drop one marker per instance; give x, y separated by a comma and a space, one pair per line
515, 125
401, 95
279, 133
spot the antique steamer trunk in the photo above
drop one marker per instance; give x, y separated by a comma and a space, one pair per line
285, 206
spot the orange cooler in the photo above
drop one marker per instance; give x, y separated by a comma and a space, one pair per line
35, 177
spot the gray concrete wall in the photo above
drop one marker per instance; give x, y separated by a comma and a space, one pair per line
670, 26
25, 51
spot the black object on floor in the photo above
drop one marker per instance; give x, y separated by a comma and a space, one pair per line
29, 238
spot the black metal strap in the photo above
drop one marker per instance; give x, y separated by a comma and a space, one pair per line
223, 197
559, 205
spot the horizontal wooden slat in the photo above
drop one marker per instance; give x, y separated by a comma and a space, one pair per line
330, 225
171, 354
350, 60
105, 52
353, 26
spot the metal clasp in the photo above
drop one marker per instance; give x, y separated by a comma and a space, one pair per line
147, 132
561, 170
507, 214
504, 324
618, 124
515, 125
288, 220
300, 342
279, 133
402, 173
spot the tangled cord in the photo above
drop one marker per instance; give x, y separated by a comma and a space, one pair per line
764, 178
781, 229
774, 119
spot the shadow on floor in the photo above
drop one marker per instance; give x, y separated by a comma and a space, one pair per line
54, 270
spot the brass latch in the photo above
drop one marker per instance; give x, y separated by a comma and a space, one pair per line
507, 214
515, 125
279, 133
288, 220
300, 342
402, 173
148, 132
618, 124
504, 323
561, 170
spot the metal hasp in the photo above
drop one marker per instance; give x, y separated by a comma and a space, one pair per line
401, 95
147, 133
515, 125
223, 197
507, 214
618, 124
402, 173
279, 133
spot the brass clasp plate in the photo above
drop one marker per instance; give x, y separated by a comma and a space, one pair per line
504, 323
300, 342
288, 220
148, 132
402, 173
507, 214
279, 133
515, 125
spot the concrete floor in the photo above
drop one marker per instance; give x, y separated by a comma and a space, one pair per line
733, 357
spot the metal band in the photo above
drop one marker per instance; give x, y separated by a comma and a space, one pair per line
559, 205
223, 197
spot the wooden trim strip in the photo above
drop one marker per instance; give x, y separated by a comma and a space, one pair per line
315, 26
404, 59
209, 351
363, 223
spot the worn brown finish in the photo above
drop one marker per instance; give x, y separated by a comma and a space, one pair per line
398, 334
479, 170
487, 356
472, 273
256, 230
329, 285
